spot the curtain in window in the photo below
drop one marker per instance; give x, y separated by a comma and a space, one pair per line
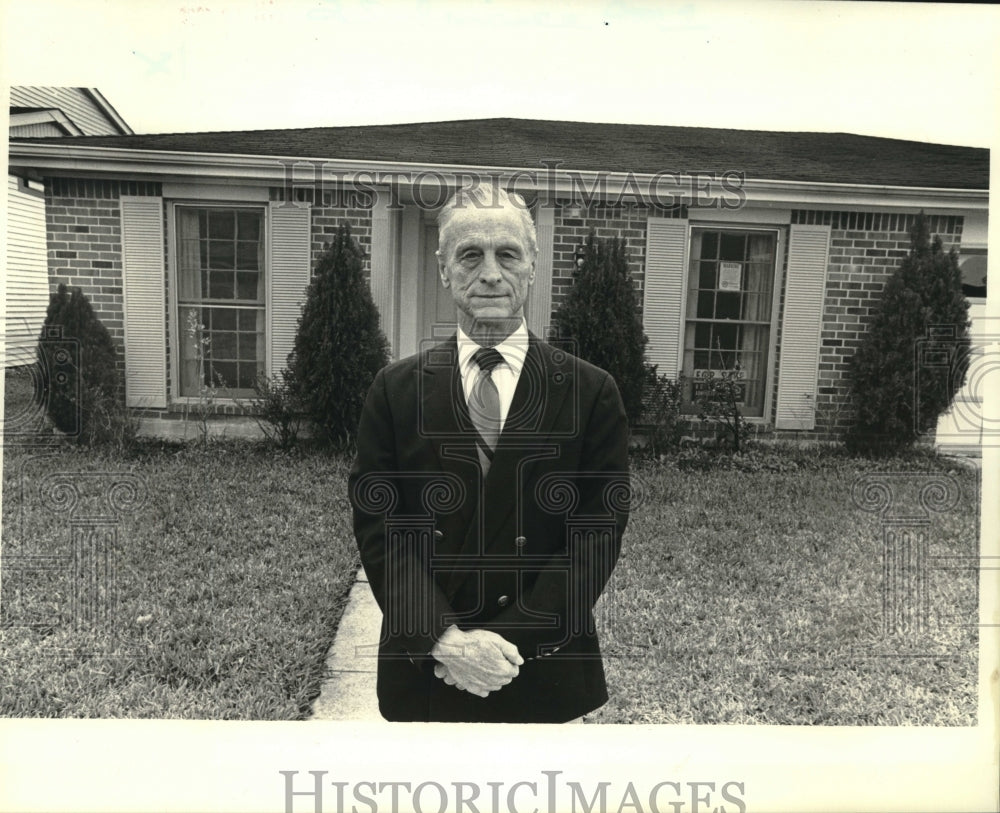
189, 273
189, 285
758, 281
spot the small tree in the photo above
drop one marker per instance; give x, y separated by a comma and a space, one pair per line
600, 319
896, 397
76, 357
339, 345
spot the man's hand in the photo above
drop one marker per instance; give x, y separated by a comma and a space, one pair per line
477, 661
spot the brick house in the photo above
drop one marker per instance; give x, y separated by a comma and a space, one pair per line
766, 247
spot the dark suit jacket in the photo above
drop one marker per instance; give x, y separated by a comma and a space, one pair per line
525, 554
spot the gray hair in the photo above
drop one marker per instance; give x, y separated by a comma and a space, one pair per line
484, 196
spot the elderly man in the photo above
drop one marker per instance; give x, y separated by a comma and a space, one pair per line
490, 496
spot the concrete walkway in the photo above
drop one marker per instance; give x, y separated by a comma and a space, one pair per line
348, 692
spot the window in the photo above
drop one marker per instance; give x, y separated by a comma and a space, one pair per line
220, 298
729, 303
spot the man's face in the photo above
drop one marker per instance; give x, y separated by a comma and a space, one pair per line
487, 263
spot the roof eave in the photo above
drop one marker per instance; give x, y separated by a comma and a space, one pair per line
50, 157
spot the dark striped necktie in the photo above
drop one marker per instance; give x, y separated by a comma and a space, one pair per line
484, 404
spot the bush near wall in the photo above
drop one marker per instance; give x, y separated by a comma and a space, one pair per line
922, 308
339, 346
82, 388
600, 320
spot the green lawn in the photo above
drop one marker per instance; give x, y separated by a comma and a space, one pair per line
756, 597
230, 583
742, 596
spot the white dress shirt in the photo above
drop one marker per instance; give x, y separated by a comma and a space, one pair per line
513, 349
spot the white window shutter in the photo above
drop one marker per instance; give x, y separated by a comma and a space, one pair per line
289, 266
663, 292
144, 293
808, 252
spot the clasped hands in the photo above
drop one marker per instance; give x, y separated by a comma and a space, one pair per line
476, 661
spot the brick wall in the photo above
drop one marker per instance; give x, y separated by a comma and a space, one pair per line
83, 225
83, 221
624, 220
865, 249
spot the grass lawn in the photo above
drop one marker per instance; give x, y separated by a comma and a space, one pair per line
745, 596
231, 580
756, 597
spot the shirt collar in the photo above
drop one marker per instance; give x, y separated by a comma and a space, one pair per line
513, 349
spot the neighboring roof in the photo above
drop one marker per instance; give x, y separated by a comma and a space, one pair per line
25, 118
640, 148
109, 110
86, 108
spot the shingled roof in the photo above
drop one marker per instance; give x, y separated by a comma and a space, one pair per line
641, 148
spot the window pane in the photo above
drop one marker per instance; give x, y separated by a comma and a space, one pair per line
249, 226
247, 256
223, 346
703, 335
727, 305
706, 275
221, 254
758, 277
757, 308
222, 318
189, 258
706, 305
722, 360
710, 245
247, 345
732, 246
221, 224
753, 358
247, 374
189, 270
247, 285
220, 285
754, 340
760, 248
724, 336
224, 374
248, 319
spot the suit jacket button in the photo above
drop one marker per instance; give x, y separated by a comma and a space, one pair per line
439, 534
520, 541
503, 601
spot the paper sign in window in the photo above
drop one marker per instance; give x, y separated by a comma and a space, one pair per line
729, 276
